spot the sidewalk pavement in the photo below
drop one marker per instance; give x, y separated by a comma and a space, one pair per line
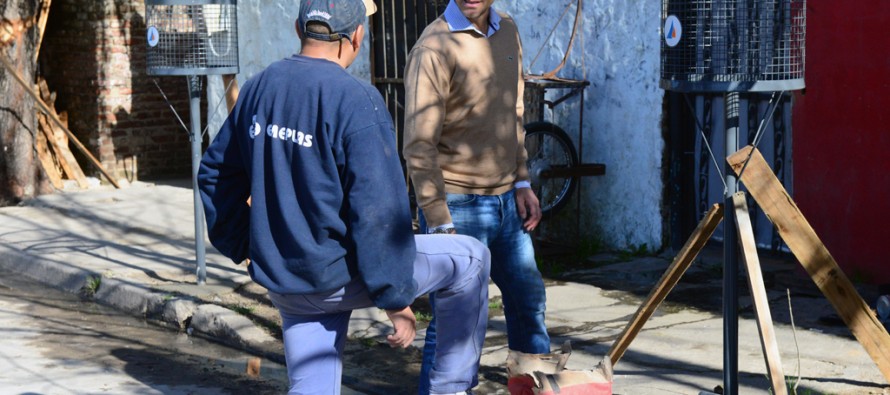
138, 241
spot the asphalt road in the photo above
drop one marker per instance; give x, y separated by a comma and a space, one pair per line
56, 343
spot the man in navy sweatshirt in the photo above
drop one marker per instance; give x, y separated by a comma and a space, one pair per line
328, 229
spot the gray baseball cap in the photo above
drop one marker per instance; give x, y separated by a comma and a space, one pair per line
341, 16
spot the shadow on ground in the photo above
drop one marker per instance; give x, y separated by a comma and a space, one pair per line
701, 287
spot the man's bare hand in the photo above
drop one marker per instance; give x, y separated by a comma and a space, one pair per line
404, 327
529, 208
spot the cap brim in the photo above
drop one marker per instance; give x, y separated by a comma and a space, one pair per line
370, 7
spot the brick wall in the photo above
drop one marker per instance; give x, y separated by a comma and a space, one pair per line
93, 55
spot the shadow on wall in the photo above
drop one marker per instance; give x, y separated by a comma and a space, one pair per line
150, 137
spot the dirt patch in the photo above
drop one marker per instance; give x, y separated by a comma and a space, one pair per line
375, 368
78, 333
369, 364
372, 367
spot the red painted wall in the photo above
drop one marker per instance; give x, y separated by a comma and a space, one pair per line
841, 147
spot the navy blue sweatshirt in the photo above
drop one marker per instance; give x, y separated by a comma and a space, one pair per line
314, 148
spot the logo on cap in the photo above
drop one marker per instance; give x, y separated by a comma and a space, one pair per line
318, 13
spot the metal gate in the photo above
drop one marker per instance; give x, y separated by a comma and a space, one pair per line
394, 30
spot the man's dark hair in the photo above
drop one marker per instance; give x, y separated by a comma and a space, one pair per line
322, 28
317, 27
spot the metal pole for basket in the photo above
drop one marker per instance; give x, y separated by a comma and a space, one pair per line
730, 47
730, 254
196, 139
193, 38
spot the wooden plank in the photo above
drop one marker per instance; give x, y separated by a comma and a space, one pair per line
75, 172
758, 294
56, 120
667, 282
57, 139
46, 161
45, 94
813, 255
61, 137
47, 129
41, 25
50, 100
62, 155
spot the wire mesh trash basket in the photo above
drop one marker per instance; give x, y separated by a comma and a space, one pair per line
733, 45
191, 37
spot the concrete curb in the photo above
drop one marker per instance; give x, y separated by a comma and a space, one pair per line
221, 322
213, 321
132, 299
55, 274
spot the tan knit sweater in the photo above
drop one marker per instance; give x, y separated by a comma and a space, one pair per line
463, 115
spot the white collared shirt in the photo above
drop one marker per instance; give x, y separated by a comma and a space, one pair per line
457, 22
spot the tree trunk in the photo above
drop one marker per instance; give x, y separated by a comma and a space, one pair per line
19, 170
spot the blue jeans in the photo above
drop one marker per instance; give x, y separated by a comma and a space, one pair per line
496, 223
455, 267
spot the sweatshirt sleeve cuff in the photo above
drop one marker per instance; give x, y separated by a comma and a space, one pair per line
396, 298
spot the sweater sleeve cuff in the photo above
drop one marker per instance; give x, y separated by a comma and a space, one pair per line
522, 173
436, 215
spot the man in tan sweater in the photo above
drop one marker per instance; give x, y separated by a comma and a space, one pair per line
464, 147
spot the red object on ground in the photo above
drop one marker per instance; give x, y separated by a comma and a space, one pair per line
521, 385
524, 385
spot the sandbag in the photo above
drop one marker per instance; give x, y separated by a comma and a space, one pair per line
545, 374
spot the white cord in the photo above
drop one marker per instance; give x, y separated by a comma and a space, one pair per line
761, 128
155, 80
701, 131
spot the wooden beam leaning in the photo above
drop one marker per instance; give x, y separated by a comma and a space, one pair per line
57, 139
46, 161
41, 25
668, 280
46, 109
813, 255
62, 154
758, 295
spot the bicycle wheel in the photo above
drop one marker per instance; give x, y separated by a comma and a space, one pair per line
550, 148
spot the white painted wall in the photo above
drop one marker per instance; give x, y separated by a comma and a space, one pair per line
618, 53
